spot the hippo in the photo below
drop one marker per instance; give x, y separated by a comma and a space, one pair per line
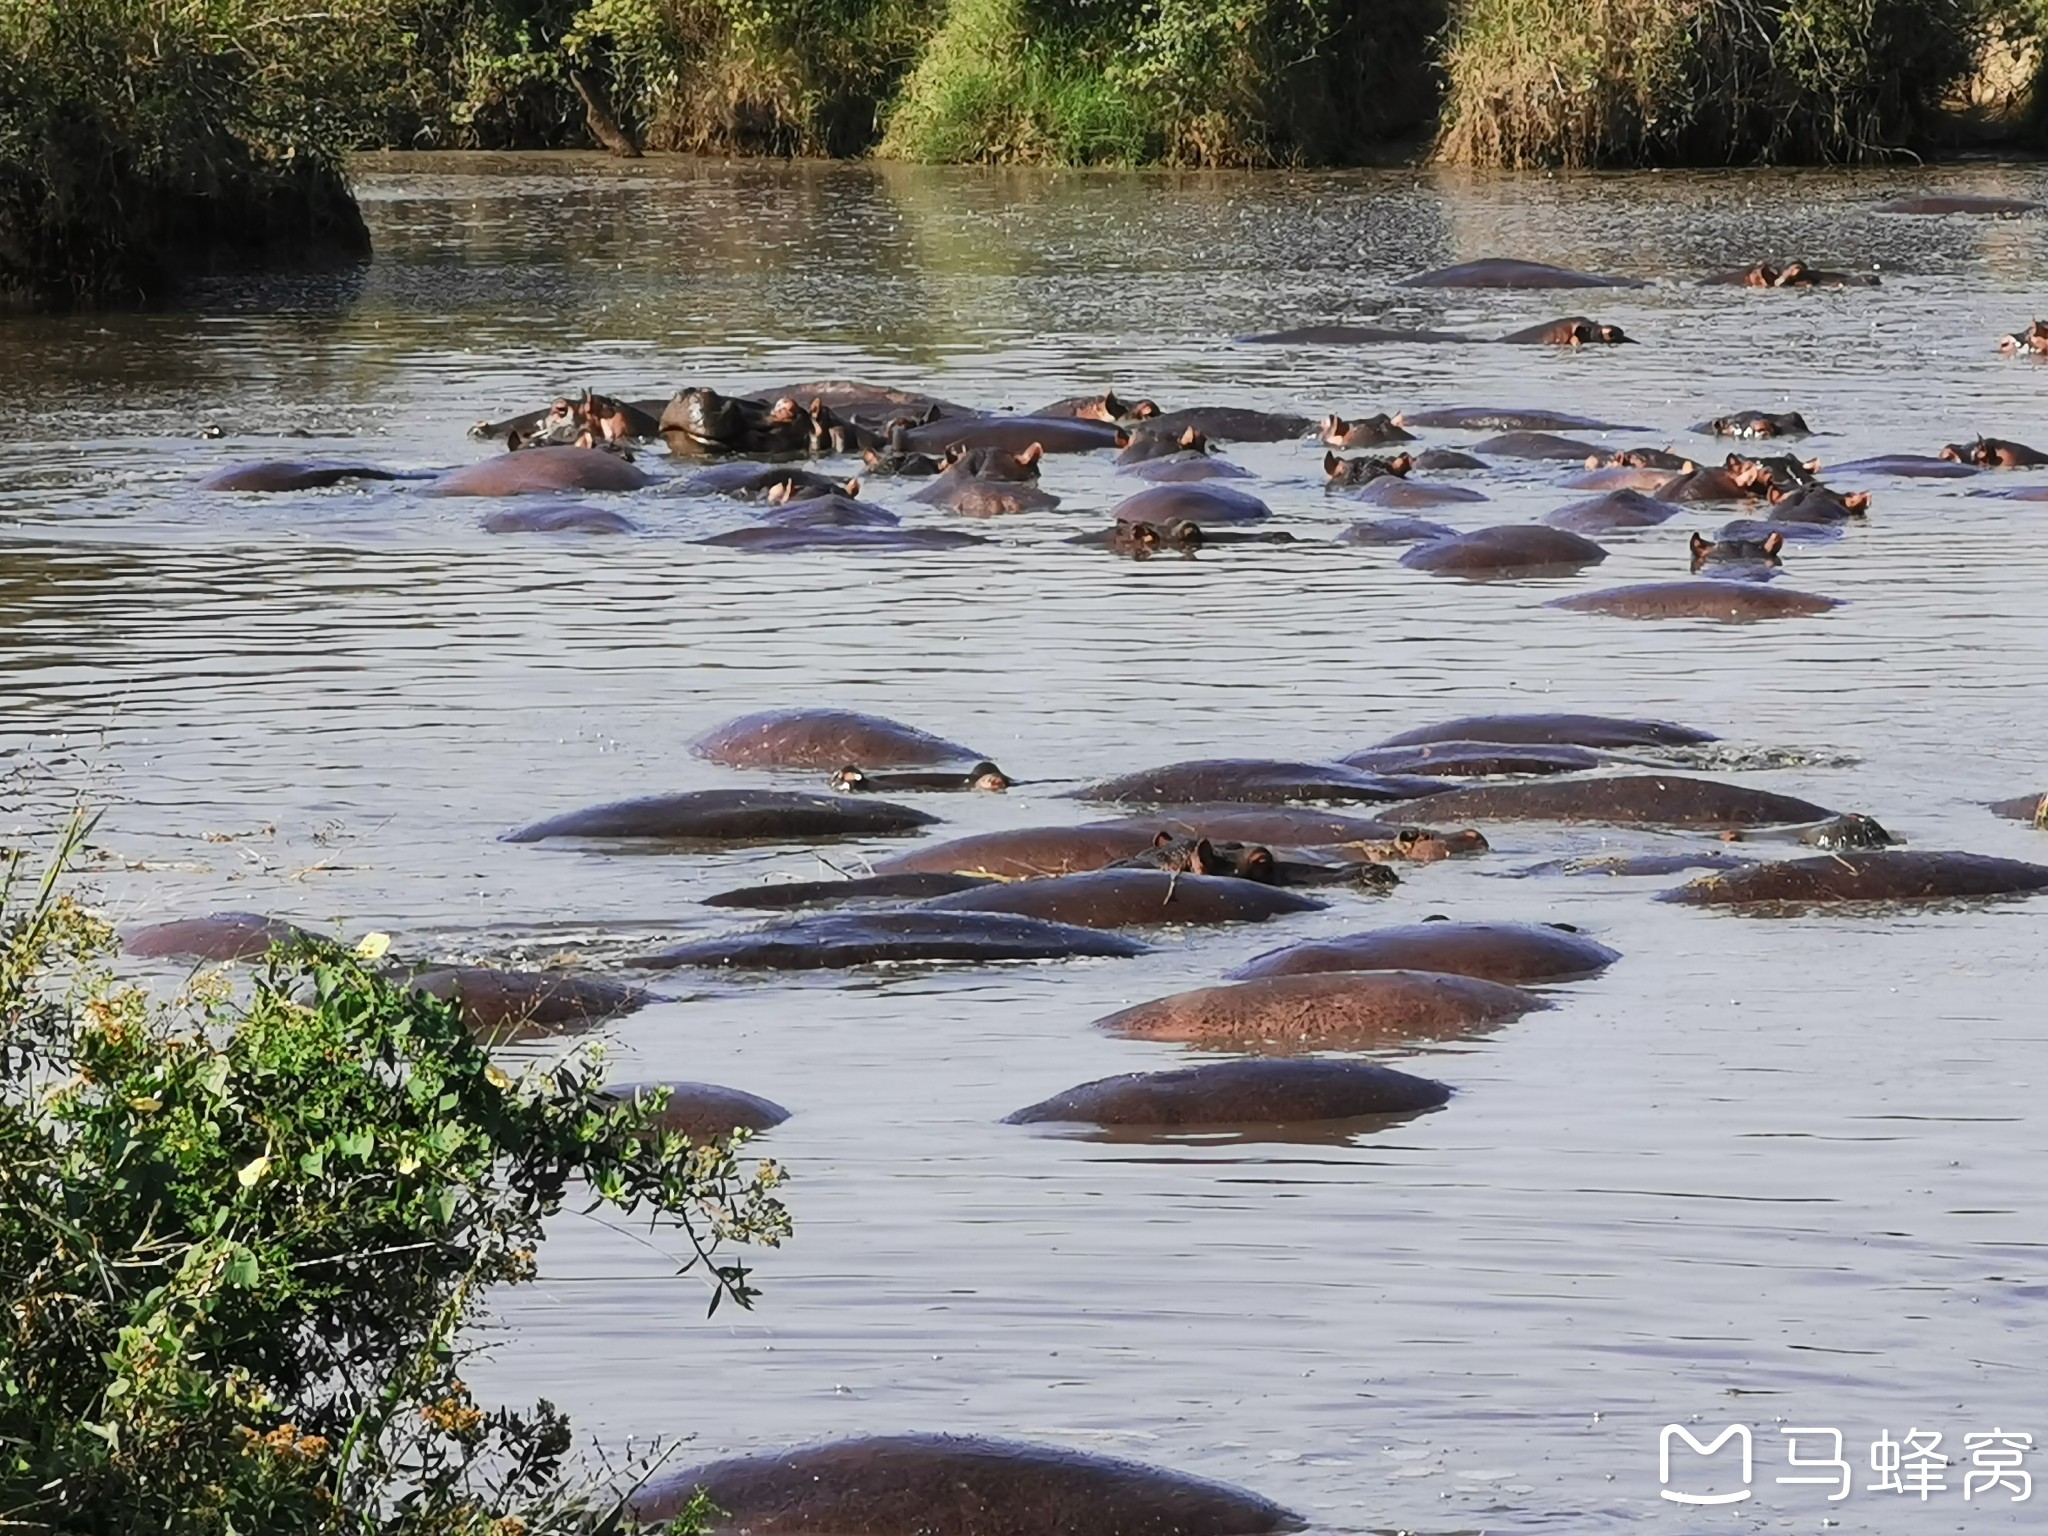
1123, 898
990, 463
1792, 274
1496, 418
1571, 331
1187, 470
1013, 434
1362, 470
502, 1006
1743, 554
1354, 838
1995, 453
1436, 459
1703, 482
1621, 477
834, 511
729, 816
946, 1485
1332, 1011
1630, 800
1200, 856
984, 775
1851, 831
1959, 202
758, 482
1725, 602
1506, 550
1756, 424
2031, 342
1149, 443
1476, 759
784, 539
1107, 406
293, 475
1567, 730
540, 472
1816, 504
1394, 491
1615, 864
1233, 1093
897, 464
1535, 445
1513, 954
1751, 530
1785, 471
604, 416
1200, 504
1141, 541
1911, 466
700, 422
1615, 511
826, 738
704, 1112
784, 894
1364, 432
1251, 780
1233, 424
1888, 874
1350, 336
2016, 493
557, 517
838, 940
219, 936
2033, 808
1641, 458
861, 397
972, 496
1509, 272
1395, 530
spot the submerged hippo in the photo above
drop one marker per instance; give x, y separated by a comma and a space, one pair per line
1333, 1011
1817, 504
1514, 954
704, 1112
895, 889
2032, 808
1908, 466
557, 517
1641, 458
1124, 898
1024, 853
1436, 459
1233, 424
1622, 477
1501, 418
2031, 342
973, 496
1703, 482
1509, 272
1108, 406
1012, 434
1742, 554
761, 482
1253, 780
943, 1485
1995, 453
798, 536
832, 511
1240, 1093
1395, 530
1569, 730
1891, 874
1475, 759
1535, 445
292, 475
1783, 471
1613, 512
219, 936
826, 738
1350, 336
540, 472
837, 940
1571, 331
1514, 549
729, 815
1959, 202
1395, 491
1791, 274
1148, 443
1188, 469
984, 776
1752, 530
1723, 602
703, 421
1622, 864
1643, 800
502, 1006
1315, 831
1201, 504
1339, 472
1756, 424
1362, 432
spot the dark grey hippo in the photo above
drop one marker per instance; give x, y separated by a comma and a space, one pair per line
1189, 470
557, 517
1571, 730
729, 816
1617, 510
1399, 491
1476, 759
1507, 550
776, 539
1637, 799
1251, 780
1012, 434
1437, 459
704, 1112
1724, 602
1348, 336
541, 472
826, 739
943, 1485
1232, 424
1514, 954
1395, 530
1202, 504
500, 1006
1507, 418
1976, 204
1885, 874
896, 889
837, 940
1511, 272
1128, 898
1910, 466
1332, 1011
1239, 1093
744, 481
1536, 445
293, 475
219, 936
1315, 830
2030, 808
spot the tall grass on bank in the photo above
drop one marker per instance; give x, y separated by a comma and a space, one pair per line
1191, 82
246, 1233
1698, 82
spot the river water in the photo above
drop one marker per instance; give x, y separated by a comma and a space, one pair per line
1775, 1173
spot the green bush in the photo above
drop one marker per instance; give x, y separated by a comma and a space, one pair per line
1696, 82
242, 1239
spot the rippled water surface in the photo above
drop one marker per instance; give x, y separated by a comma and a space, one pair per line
1770, 1172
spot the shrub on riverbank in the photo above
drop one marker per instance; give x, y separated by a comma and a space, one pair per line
140, 143
242, 1240
1698, 82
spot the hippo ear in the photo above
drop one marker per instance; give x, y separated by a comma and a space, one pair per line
1144, 410
1161, 839
1774, 492
1123, 437
1859, 502
1811, 466
1192, 438
1332, 464
1401, 463
1699, 545
1400, 419
1773, 542
1687, 467
852, 488
1031, 455
1593, 460
1111, 406
1333, 426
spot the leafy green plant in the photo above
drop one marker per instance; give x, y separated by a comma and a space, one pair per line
242, 1236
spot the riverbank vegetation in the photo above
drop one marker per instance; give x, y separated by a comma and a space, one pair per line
246, 1235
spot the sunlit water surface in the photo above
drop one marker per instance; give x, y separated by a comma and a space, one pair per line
1769, 1172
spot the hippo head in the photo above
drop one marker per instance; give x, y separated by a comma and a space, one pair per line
987, 776
1762, 275
1609, 335
849, 778
1365, 469
1193, 440
1185, 533
1762, 551
1851, 831
1781, 470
